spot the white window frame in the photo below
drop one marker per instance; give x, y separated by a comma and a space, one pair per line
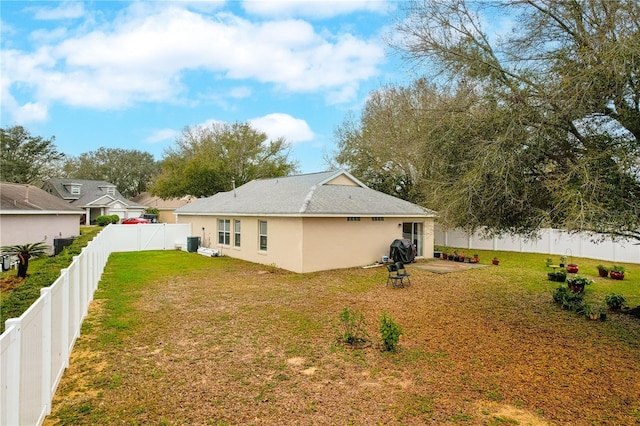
262, 236
224, 232
237, 227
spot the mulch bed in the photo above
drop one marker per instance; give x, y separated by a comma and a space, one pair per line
247, 347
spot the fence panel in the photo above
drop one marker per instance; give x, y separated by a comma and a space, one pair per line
35, 348
32, 372
550, 241
10, 373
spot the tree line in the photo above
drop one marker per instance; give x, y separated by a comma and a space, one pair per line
205, 160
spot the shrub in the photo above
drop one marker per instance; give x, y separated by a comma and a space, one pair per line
114, 218
614, 301
352, 328
568, 300
390, 332
103, 220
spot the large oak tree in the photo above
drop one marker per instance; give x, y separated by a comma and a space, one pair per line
538, 127
206, 160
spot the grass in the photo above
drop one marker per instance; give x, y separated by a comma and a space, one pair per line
177, 338
42, 273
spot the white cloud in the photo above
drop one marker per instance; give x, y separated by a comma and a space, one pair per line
278, 125
143, 54
66, 10
163, 135
313, 9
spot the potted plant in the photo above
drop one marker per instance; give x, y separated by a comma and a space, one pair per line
572, 268
590, 312
614, 301
495, 261
603, 314
557, 276
475, 259
617, 273
603, 271
577, 284
549, 262
563, 261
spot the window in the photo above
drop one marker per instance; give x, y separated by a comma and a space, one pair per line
377, 219
262, 231
111, 190
236, 233
353, 219
224, 231
75, 190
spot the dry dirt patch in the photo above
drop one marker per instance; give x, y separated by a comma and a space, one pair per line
248, 347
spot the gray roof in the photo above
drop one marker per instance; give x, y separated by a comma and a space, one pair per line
29, 199
304, 195
90, 192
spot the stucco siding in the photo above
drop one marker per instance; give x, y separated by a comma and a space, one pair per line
309, 244
24, 229
335, 243
284, 239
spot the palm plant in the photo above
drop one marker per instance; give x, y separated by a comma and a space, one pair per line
24, 253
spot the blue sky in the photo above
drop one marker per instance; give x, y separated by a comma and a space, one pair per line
132, 75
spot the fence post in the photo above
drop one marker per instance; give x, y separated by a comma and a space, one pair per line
45, 293
64, 335
12, 379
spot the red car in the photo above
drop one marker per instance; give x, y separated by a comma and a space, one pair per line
134, 221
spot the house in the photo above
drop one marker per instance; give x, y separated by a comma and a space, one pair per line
30, 215
95, 197
308, 223
165, 207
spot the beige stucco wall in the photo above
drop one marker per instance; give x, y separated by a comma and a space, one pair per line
311, 244
334, 243
166, 216
25, 229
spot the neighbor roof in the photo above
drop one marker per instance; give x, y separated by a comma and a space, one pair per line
29, 199
334, 193
92, 192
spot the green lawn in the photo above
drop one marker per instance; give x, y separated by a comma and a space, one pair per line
177, 338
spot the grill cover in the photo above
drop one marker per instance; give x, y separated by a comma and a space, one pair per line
402, 251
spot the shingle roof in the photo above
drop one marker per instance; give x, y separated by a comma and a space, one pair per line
16, 198
90, 192
304, 195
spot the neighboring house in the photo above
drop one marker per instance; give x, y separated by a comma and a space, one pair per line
95, 197
30, 215
307, 223
165, 207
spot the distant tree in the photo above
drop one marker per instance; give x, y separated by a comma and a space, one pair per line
207, 160
131, 171
548, 133
25, 158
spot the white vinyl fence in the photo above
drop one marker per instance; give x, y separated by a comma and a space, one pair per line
35, 348
551, 241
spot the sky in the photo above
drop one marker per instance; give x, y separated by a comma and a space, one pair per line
133, 75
